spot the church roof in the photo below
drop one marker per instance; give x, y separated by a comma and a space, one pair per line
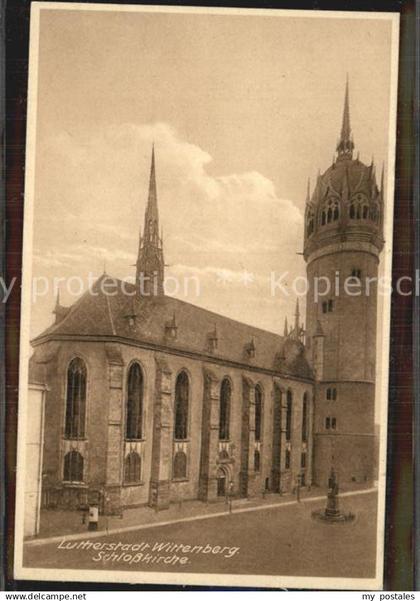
165, 322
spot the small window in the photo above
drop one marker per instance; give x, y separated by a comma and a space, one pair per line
333, 423
303, 460
180, 465
331, 394
356, 273
132, 468
257, 460
73, 467
287, 462
327, 423
328, 306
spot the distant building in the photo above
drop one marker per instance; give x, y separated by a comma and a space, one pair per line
152, 400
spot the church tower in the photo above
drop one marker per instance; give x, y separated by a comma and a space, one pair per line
150, 262
342, 243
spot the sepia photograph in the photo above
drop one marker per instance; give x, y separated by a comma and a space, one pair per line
206, 296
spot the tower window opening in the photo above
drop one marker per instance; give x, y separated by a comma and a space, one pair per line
331, 394
375, 212
327, 423
356, 273
359, 207
333, 423
310, 222
303, 459
328, 306
330, 211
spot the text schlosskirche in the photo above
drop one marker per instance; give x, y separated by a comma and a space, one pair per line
159, 552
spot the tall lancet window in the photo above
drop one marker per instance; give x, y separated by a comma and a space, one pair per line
258, 412
305, 418
224, 416
181, 406
134, 405
76, 399
289, 409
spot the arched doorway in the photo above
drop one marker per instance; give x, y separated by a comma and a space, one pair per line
222, 482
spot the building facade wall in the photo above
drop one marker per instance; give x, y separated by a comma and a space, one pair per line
104, 448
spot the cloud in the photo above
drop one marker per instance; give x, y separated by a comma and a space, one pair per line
91, 193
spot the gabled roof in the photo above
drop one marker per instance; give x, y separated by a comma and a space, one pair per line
126, 315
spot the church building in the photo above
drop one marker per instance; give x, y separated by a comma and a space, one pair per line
152, 400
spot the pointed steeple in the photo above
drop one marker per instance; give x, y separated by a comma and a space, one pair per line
286, 329
297, 320
59, 311
150, 263
151, 217
382, 179
345, 144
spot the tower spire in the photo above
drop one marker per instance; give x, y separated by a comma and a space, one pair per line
308, 191
297, 319
286, 329
150, 263
345, 144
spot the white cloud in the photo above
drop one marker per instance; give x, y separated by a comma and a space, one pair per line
90, 200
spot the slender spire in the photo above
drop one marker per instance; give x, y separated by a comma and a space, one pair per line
57, 300
382, 178
286, 329
308, 191
345, 145
150, 263
297, 319
151, 217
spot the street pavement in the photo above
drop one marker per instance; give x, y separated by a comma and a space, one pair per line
283, 540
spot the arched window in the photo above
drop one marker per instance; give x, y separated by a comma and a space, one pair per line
134, 406
224, 416
132, 468
181, 406
330, 211
258, 413
289, 415
257, 460
73, 467
76, 399
359, 207
310, 221
180, 465
305, 418
375, 212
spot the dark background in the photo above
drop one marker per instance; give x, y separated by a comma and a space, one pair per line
399, 538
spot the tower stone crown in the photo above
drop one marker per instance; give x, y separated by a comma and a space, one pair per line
346, 204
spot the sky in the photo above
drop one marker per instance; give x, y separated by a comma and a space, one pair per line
242, 110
